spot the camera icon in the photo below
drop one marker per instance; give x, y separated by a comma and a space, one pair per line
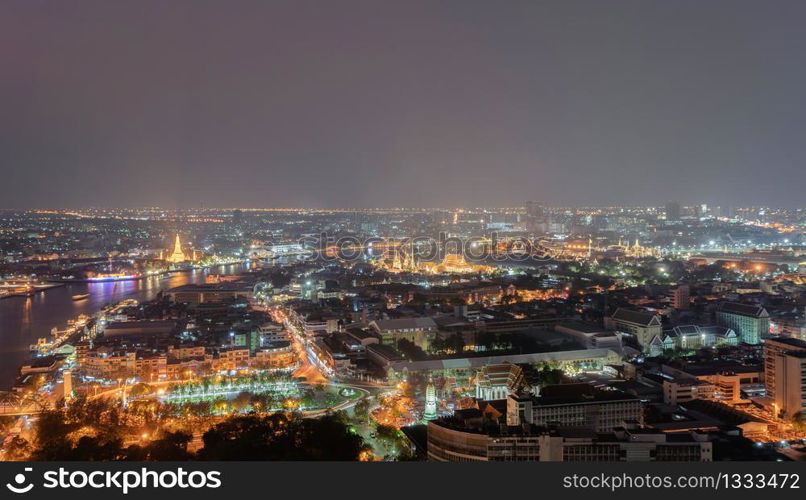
19, 480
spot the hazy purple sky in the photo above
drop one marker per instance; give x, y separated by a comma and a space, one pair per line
340, 103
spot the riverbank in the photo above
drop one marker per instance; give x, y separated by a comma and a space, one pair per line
7, 292
25, 319
149, 274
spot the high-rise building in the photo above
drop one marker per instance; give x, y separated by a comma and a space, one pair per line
790, 394
673, 211
702, 210
237, 217
534, 209
680, 297
785, 375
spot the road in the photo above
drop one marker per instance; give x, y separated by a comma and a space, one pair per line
308, 368
797, 456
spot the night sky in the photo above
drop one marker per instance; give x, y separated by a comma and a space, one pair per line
340, 103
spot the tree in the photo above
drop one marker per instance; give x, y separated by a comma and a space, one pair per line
140, 390
361, 410
487, 340
437, 345
35, 401
51, 436
387, 432
18, 449
456, 343
281, 437
410, 350
549, 375
241, 401
799, 421
171, 447
96, 449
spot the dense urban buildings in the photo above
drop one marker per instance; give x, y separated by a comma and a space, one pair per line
439, 323
445, 231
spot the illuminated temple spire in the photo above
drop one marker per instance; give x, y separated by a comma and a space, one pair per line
430, 401
178, 255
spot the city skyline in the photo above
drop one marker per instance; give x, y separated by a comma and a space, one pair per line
406, 326
418, 104
524, 232
659, 207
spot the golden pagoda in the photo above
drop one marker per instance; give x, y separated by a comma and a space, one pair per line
636, 250
399, 259
178, 255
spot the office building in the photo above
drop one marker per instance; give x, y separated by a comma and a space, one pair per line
464, 438
680, 297
574, 406
643, 326
673, 211
751, 322
785, 375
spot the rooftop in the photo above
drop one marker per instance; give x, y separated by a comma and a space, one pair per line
636, 317
405, 324
792, 342
581, 326
578, 393
753, 310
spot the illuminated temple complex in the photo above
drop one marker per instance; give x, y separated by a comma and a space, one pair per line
454, 263
635, 250
177, 255
401, 261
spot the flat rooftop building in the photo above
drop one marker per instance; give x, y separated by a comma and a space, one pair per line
575, 406
139, 328
209, 292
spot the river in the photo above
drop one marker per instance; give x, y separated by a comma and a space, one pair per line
25, 319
